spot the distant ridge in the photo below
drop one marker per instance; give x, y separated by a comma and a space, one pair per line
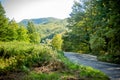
40, 20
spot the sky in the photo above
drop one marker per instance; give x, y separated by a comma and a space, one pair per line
27, 9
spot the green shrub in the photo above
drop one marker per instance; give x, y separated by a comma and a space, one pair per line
57, 42
24, 56
18, 54
97, 44
110, 58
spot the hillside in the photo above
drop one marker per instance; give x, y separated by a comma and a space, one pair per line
40, 20
47, 27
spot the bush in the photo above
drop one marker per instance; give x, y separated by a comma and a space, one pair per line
18, 54
110, 58
57, 42
97, 44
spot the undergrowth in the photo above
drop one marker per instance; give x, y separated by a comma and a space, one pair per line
25, 61
110, 58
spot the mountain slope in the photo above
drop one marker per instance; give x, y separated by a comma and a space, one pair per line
40, 20
47, 27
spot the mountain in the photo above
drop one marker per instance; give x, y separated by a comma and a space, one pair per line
40, 20
47, 27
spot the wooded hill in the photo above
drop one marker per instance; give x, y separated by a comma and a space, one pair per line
47, 27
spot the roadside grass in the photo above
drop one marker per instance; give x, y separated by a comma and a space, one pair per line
111, 58
25, 61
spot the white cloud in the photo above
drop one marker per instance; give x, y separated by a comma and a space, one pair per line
24, 9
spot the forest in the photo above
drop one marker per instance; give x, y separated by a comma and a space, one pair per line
35, 51
94, 29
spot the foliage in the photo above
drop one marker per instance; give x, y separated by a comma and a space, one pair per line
94, 25
12, 30
27, 57
14, 54
97, 44
3, 24
48, 30
33, 34
69, 71
22, 34
47, 27
57, 42
110, 58
79, 31
31, 27
34, 37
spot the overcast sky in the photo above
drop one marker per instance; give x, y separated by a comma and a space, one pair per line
26, 9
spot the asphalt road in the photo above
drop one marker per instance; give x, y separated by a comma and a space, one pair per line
112, 70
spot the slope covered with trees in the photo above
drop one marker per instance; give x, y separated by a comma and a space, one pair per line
47, 27
94, 28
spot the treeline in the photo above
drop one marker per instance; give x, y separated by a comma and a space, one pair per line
49, 29
94, 28
11, 31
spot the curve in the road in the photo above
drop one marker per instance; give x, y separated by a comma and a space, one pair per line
112, 70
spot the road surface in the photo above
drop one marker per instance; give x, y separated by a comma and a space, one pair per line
112, 70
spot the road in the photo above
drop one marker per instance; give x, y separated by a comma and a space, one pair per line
112, 70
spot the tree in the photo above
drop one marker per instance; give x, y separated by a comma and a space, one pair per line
12, 30
34, 37
94, 24
79, 35
31, 27
22, 34
3, 24
33, 34
57, 42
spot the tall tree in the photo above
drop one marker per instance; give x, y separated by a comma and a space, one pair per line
31, 27
12, 30
79, 34
3, 24
22, 34
98, 27
57, 42
33, 34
